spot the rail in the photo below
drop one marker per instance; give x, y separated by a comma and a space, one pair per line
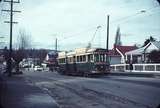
136, 68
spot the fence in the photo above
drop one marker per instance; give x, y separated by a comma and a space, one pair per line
136, 67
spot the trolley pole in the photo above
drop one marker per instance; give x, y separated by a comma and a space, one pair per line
107, 41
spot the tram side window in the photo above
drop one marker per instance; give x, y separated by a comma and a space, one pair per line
81, 59
84, 58
90, 58
102, 57
96, 56
77, 58
70, 59
62, 60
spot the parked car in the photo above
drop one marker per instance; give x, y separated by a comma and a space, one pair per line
38, 68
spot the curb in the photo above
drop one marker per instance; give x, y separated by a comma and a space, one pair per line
135, 74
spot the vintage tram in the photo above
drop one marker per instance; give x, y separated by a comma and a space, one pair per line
83, 61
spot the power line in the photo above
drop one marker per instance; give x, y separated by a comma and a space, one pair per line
134, 15
77, 34
118, 20
124, 19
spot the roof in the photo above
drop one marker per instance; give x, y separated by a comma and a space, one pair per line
122, 49
52, 53
146, 48
157, 44
136, 52
79, 51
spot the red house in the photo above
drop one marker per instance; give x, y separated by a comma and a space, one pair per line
117, 54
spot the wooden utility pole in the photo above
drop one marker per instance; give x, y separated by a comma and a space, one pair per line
9, 64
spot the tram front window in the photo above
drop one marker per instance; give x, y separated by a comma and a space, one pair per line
99, 57
102, 58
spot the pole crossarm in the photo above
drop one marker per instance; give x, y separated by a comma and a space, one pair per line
12, 1
10, 10
11, 22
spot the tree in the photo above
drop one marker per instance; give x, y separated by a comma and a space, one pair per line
154, 56
118, 37
23, 42
158, 1
24, 39
42, 54
151, 39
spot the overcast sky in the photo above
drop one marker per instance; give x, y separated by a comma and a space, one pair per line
74, 22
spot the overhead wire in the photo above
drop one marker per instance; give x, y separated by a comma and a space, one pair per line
76, 34
114, 21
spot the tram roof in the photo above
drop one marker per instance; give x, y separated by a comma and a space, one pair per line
78, 51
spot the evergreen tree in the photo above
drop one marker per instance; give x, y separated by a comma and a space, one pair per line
151, 39
154, 56
118, 37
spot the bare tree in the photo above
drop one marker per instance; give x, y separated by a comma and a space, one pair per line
23, 42
23, 39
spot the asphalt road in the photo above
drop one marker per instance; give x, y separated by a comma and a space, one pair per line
101, 92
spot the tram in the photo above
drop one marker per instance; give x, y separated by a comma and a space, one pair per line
83, 62
51, 60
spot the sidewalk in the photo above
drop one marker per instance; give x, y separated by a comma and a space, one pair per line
17, 93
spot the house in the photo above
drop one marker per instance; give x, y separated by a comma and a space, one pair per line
140, 55
117, 54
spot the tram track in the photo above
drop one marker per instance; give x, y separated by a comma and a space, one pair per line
89, 95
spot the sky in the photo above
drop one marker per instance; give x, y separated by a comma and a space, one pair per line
74, 22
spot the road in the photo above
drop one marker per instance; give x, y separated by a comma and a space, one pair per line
101, 92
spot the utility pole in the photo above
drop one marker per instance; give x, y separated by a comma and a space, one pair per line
107, 41
9, 64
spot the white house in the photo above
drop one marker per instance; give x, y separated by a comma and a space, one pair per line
140, 55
